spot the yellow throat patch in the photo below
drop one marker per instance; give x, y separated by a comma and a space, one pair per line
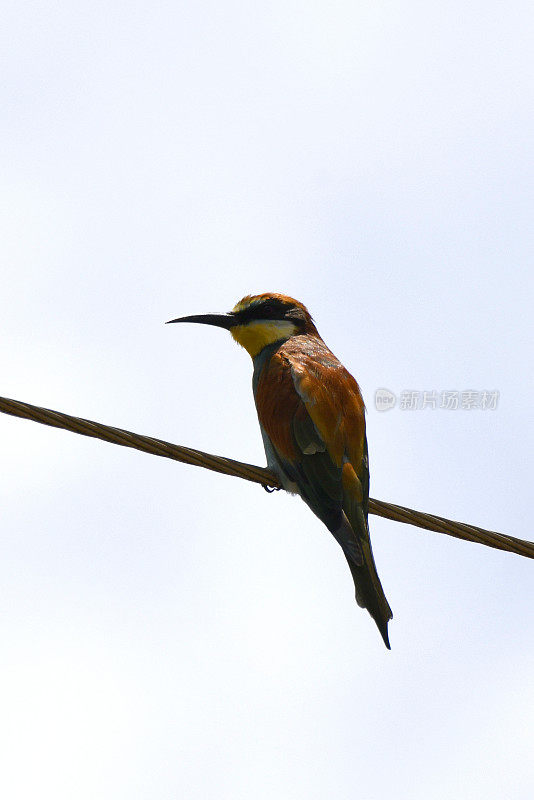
258, 334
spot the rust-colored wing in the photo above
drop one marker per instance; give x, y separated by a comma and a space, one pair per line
311, 411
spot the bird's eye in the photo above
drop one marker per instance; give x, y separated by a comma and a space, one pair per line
271, 310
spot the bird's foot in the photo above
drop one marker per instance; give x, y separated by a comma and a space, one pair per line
271, 489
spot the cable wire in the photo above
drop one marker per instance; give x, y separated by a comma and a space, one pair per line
249, 472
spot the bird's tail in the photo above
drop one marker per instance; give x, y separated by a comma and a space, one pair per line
353, 536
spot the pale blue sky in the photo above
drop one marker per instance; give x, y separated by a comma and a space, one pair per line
167, 632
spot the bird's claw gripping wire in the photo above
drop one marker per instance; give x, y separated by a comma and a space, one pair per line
271, 489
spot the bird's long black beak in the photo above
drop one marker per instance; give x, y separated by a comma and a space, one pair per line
226, 321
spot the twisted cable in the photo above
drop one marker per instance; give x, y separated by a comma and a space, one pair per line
249, 472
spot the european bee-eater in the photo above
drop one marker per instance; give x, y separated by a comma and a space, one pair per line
312, 420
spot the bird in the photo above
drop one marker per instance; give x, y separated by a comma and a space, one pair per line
312, 421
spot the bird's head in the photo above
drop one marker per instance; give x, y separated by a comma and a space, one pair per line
259, 320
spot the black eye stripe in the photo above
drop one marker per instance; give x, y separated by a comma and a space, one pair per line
271, 309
